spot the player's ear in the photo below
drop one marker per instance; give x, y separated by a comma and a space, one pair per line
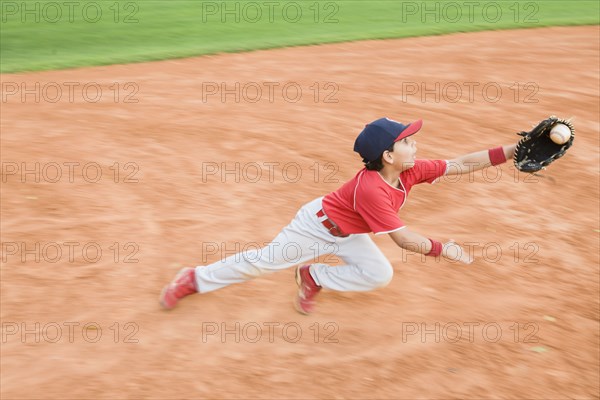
387, 157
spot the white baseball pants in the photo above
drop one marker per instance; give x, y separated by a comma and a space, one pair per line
305, 238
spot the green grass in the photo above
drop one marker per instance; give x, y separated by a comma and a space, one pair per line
161, 29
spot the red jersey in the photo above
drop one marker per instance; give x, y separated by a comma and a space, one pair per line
368, 203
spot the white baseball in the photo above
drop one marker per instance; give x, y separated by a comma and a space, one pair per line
560, 134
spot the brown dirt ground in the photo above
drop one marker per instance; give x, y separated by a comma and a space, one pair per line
176, 210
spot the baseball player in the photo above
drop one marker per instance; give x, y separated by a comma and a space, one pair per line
340, 222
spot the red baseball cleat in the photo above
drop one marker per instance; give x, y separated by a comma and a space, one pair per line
307, 290
182, 285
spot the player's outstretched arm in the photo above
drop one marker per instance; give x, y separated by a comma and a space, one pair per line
418, 243
479, 160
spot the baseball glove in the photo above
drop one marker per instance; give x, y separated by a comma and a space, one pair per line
536, 150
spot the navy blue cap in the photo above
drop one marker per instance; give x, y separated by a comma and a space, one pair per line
379, 135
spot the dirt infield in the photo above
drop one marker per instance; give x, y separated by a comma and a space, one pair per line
105, 198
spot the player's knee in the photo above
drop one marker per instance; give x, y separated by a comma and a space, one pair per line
254, 271
384, 275
256, 264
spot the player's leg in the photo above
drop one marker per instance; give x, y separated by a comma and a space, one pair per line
365, 266
303, 239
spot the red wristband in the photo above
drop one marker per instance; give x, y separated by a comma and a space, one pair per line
497, 155
436, 248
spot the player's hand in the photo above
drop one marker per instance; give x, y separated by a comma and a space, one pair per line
453, 252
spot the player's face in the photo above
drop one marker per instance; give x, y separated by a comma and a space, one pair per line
404, 153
